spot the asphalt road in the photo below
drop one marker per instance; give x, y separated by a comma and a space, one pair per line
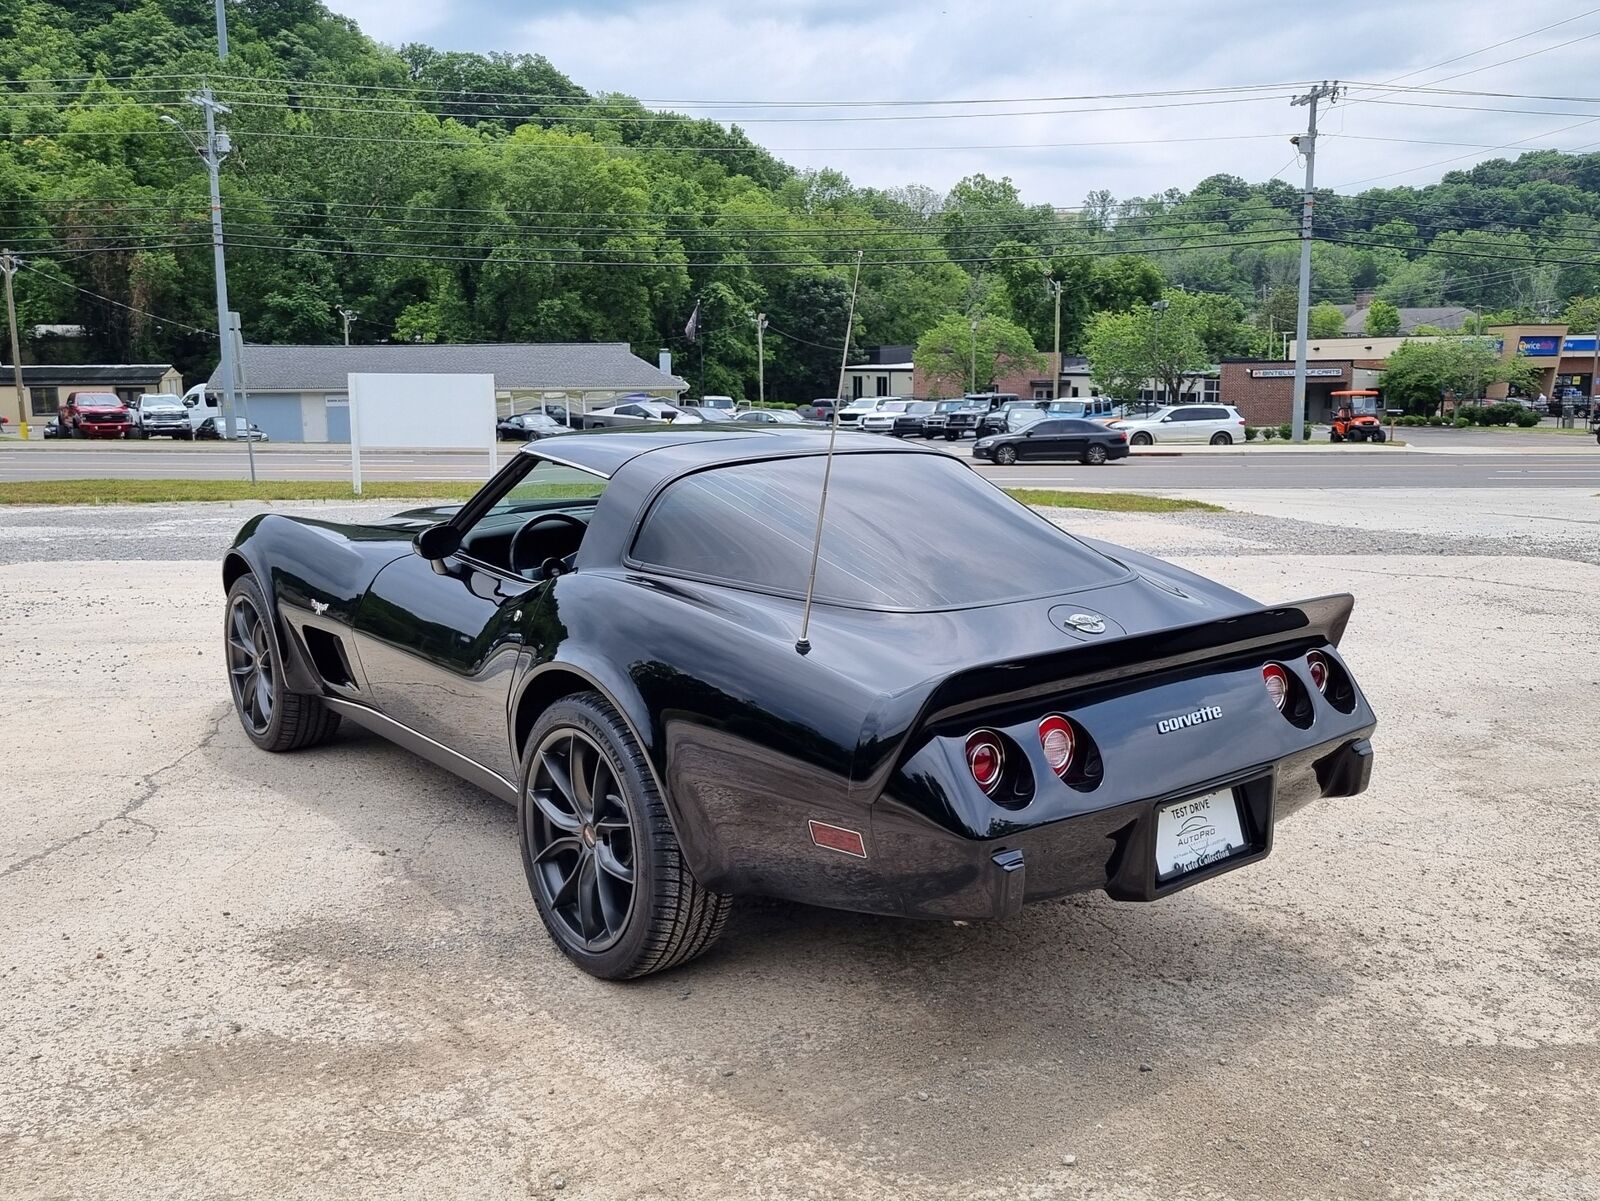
319, 976
1439, 460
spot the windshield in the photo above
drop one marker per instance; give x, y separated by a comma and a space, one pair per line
547, 481
922, 406
894, 406
950, 406
752, 525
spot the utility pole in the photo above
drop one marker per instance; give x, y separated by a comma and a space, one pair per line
1307, 143
761, 359
1055, 385
222, 31
236, 338
8, 264
348, 315
216, 149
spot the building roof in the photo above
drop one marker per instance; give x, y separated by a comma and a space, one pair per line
889, 356
908, 365
1442, 316
44, 375
580, 366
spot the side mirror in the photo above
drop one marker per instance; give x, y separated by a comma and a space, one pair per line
438, 542
1166, 420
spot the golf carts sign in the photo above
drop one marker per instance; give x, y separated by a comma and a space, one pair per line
1288, 372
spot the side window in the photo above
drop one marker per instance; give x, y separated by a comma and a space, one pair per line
630, 411
1052, 428
1186, 415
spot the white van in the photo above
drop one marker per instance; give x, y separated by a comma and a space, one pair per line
202, 404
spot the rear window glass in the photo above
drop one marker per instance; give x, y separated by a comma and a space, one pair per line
899, 534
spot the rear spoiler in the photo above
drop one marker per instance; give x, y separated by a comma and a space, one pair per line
1322, 619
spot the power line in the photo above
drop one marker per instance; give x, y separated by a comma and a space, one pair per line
119, 304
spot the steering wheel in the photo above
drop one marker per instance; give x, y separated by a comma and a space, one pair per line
550, 566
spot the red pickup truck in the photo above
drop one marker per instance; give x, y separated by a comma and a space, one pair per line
95, 415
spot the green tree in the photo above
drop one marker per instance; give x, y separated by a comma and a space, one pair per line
1420, 374
1583, 314
952, 354
1325, 321
1383, 320
1127, 349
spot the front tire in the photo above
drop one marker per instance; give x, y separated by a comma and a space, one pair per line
1005, 455
273, 717
598, 848
1141, 439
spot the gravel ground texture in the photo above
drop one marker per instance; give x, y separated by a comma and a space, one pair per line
229, 974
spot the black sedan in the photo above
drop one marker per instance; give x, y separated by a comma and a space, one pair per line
528, 427
608, 636
1055, 438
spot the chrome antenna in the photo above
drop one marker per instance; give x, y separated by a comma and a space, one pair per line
803, 644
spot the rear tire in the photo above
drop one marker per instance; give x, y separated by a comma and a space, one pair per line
593, 826
273, 717
1095, 456
1221, 439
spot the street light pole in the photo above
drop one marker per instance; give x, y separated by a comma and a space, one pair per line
972, 369
1055, 385
1307, 142
348, 315
1157, 307
761, 359
8, 264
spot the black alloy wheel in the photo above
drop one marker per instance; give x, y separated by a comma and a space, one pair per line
1005, 455
273, 716
582, 836
250, 667
1141, 439
1095, 455
1221, 439
599, 850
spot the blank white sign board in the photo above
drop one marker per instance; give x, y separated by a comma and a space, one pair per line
416, 411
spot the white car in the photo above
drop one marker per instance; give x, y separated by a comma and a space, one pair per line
881, 419
858, 408
160, 413
712, 408
639, 412
1216, 424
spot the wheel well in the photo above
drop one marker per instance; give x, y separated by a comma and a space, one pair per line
233, 567
547, 688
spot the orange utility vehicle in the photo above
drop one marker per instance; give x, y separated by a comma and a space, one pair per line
1356, 418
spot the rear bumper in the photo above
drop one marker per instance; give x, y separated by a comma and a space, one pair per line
939, 874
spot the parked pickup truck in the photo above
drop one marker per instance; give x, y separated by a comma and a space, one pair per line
158, 414
95, 415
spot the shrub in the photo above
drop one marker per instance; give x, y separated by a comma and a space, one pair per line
1269, 432
1436, 420
1286, 431
1527, 420
1250, 432
1305, 433
1462, 423
1471, 414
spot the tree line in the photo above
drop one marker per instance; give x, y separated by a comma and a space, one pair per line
456, 197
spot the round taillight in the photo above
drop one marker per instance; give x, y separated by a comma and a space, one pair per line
986, 759
1276, 678
1055, 736
1317, 665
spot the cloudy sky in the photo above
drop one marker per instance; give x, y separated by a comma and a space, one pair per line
899, 50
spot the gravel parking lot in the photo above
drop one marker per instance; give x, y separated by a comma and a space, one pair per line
320, 976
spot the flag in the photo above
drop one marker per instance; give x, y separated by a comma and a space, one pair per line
692, 330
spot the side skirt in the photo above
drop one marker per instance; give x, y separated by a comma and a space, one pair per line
436, 753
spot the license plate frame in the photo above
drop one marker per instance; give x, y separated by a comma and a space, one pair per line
1199, 833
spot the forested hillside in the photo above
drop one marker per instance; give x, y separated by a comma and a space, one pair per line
457, 197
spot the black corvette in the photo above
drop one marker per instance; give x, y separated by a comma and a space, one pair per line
606, 637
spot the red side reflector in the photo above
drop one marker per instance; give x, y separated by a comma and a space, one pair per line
837, 838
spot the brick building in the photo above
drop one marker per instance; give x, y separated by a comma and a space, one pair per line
1030, 385
1263, 389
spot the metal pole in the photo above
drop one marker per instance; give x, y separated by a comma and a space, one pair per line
761, 359
1055, 384
1157, 307
222, 31
972, 369
236, 336
215, 149
1307, 142
348, 315
8, 264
